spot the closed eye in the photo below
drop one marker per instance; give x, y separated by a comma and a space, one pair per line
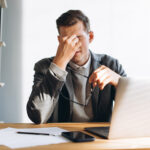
79, 37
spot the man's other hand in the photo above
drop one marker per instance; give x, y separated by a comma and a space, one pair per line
103, 76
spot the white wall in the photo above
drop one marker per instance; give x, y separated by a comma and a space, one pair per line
121, 27
11, 93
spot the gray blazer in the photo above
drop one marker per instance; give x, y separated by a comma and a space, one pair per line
46, 104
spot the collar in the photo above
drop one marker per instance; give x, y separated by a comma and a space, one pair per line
77, 67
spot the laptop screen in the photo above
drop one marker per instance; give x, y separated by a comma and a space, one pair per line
131, 114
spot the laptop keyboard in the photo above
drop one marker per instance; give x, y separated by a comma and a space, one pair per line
100, 131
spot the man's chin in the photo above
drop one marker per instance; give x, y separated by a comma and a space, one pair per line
76, 59
77, 53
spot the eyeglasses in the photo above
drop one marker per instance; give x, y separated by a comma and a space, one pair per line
89, 97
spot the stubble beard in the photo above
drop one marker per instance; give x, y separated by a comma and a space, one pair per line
79, 59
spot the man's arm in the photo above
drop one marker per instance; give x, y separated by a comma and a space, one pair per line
48, 82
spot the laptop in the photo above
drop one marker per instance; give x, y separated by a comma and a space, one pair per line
131, 114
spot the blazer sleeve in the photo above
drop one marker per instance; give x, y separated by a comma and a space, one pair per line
45, 93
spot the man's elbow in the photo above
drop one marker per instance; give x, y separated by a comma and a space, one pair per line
34, 115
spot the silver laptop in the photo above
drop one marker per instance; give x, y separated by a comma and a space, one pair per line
131, 114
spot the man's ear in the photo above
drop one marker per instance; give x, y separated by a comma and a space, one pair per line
58, 37
91, 36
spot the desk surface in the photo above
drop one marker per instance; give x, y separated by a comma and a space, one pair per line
143, 143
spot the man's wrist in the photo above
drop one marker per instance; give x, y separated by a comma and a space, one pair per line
60, 63
117, 80
58, 72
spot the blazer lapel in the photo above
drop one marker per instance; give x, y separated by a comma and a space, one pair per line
69, 86
65, 106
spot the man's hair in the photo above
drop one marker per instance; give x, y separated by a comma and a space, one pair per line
72, 17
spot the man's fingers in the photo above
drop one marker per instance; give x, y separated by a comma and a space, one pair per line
63, 39
104, 83
71, 38
103, 76
100, 68
94, 73
77, 46
100, 75
94, 84
97, 74
75, 41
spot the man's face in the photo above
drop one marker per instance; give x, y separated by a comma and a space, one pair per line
82, 54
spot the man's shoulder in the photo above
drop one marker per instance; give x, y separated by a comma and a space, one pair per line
103, 58
106, 60
43, 63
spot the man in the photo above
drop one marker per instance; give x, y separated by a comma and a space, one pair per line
76, 85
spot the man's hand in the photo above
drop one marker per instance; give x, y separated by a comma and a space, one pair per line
103, 76
67, 48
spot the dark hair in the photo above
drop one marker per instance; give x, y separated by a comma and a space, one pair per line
71, 17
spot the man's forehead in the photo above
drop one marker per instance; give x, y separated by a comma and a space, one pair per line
77, 28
